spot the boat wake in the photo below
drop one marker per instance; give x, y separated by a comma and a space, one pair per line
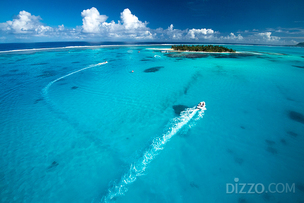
139, 167
45, 90
52, 106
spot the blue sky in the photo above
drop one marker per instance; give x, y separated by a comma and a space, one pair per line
233, 21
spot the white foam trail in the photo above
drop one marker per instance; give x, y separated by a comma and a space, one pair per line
53, 106
139, 167
45, 90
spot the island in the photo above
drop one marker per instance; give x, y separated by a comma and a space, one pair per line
301, 44
202, 48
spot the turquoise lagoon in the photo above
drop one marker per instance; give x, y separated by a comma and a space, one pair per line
76, 130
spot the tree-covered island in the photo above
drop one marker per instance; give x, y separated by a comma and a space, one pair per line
203, 48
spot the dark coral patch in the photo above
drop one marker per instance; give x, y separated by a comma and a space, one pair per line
242, 200
272, 150
194, 78
296, 116
14, 70
300, 187
196, 55
21, 59
53, 165
74, 87
267, 197
179, 108
37, 64
230, 151
233, 55
224, 55
154, 69
175, 55
47, 73
263, 57
293, 134
283, 141
270, 142
272, 60
187, 55
298, 66
194, 185
238, 160
289, 99
186, 89
13, 74
38, 100
146, 59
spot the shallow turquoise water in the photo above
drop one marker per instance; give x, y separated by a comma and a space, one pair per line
73, 130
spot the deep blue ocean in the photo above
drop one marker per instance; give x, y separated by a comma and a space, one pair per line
117, 123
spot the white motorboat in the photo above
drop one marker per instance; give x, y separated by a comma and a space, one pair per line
201, 105
102, 63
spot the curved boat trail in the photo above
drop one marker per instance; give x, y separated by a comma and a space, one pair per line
52, 106
46, 88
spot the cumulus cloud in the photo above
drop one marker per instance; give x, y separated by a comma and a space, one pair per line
200, 33
61, 27
130, 21
267, 36
232, 36
174, 34
25, 23
92, 20
129, 27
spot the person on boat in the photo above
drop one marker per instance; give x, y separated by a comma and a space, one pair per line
202, 104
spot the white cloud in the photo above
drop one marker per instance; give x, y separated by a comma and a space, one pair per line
112, 27
172, 33
199, 33
267, 36
92, 20
26, 26
61, 27
130, 27
25, 23
232, 36
130, 21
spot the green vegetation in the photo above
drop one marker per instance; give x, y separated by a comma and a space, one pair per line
301, 44
206, 48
